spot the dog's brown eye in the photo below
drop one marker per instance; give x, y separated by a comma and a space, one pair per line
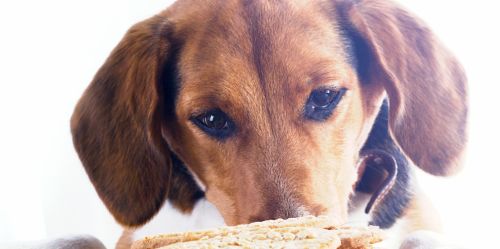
215, 123
321, 103
322, 98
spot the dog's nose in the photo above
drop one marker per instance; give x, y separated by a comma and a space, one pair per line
281, 210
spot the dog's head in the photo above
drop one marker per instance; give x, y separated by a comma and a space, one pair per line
264, 106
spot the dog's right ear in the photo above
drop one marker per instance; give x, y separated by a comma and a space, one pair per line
116, 128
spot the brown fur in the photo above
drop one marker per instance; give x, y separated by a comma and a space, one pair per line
425, 83
258, 61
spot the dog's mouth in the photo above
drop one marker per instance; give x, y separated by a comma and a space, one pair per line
377, 172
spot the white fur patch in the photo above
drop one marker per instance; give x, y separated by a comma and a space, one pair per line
357, 206
427, 240
169, 220
358, 217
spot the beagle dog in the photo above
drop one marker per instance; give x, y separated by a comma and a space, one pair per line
274, 109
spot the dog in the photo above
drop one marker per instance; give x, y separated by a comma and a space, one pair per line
275, 109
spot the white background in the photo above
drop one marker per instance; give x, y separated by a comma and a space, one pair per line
50, 50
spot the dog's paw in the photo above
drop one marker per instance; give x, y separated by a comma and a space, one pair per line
427, 240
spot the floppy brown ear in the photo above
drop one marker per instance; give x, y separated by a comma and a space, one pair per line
425, 84
116, 129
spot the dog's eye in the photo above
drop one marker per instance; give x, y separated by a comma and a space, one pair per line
215, 123
321, 103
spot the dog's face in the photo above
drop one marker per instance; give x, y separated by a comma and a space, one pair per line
268, 100
266, 103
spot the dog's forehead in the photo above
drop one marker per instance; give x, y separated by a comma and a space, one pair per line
235, 52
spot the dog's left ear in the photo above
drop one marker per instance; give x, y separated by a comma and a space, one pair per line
425, 84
